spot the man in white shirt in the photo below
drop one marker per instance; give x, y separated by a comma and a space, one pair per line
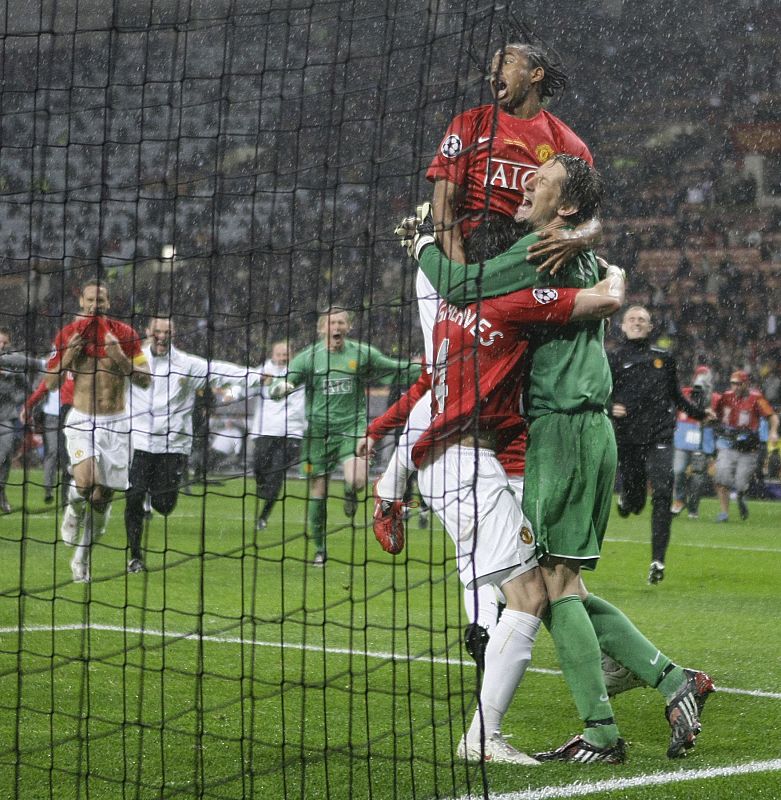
162, 425
276, 430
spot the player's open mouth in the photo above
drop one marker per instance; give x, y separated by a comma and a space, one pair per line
500, 88
525, 209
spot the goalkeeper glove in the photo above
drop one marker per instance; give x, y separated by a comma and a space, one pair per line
417, 232
279, 389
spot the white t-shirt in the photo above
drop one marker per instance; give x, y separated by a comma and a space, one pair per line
286, 417
162, 415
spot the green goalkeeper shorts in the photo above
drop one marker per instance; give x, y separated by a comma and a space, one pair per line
323, 450
570, 473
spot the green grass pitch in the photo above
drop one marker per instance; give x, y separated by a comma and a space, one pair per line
233, 669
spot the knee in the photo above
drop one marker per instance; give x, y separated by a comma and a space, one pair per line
164, 504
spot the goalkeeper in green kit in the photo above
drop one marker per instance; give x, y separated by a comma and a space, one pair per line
336, 372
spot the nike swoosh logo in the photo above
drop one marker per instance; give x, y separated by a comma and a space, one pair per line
481, 139
626, 366
604, 698
655, 658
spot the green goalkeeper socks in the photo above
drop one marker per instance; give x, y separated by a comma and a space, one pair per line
581, 662
315, 515
620, 639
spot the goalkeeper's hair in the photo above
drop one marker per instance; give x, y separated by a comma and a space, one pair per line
334, 308
583, 188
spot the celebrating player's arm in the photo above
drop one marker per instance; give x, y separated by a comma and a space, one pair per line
558, 244
508, 272
136, 369
394, 417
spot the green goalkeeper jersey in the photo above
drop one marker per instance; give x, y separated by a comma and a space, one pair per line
569, 369
336, 381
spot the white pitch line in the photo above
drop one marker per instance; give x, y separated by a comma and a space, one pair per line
678, 543
345, 651
580, 789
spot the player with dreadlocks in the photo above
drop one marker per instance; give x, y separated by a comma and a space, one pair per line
489, 153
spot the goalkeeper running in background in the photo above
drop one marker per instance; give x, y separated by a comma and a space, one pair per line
336, 372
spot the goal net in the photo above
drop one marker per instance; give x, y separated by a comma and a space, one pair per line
233, 167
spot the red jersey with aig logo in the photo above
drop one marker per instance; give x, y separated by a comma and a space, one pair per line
469, 157
476, 381
93, 330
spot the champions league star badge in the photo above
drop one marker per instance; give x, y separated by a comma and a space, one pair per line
544, 296
451, 146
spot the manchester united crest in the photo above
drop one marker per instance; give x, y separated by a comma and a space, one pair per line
544, 152
527, 537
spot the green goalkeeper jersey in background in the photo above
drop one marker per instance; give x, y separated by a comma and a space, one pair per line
569, 369
336, 381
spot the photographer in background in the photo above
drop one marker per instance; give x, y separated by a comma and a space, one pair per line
694, 446
645, 396
739, 411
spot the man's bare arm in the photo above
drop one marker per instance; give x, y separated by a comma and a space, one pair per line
137, 369
447, 196
603, 299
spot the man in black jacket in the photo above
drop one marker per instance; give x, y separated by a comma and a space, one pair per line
645, 396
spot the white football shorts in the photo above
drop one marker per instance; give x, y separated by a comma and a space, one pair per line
104, 437
469, 492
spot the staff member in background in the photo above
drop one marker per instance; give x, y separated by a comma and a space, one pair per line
276, 431
739, 411
645, 397
162, 426
694, 445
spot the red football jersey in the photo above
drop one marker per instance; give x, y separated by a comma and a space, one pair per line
477, 368
742, 412
93, 330
494, 171
396, 416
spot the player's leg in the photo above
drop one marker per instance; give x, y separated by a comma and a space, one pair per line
51, 435
356, 472
482, 517
685, 690
7, 438
140, 479
275, 476
393, 481
580, 658
263, 458
726, 466
697, 482
79, 490
167, 476
660, 474
507, 656
632, 469
681, 459
744, 470
568, 503
316, 462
